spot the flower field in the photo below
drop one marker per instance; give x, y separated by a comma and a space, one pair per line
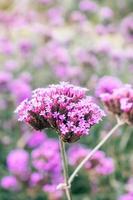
66, 100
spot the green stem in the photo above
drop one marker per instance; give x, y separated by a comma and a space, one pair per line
94, 151
65, 169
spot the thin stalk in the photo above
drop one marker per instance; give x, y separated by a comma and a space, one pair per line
94, 151
65, 169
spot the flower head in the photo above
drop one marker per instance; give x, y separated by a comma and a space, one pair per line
128, 196
5, 79
99, 164
35, 179
20, 90
18, 163
120, 102
107, 84
129, 185
47, 162
36, 139
64, 107
10, 183
127, 28
46, 158
88, 5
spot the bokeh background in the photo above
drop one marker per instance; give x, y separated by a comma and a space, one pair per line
44, 42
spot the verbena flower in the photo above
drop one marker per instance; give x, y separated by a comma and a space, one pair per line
127, 28
18, 163
36, 139
107, 84
106, 13
88, 5
128, 196
129, 185
20, 90
52, 192
5, 80
64, 107
120, 102
10, 183
47, 161
43, 172
99, 164
35, 179
129, 189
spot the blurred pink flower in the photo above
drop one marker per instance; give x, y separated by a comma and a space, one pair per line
120, 102
99, 163
88, 5
18, 163
20, 90
106, 13
10, 183
107, 84
36, 139
127, 28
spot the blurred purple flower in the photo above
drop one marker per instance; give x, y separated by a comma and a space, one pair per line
103, 29
56, 52
106, 13
107, 84
86, 58
55, 16
103, 48
11, 65
68, 73
25, 47
127, 28
18, 163
36, 139
46, 158
5, 80
6, 46
10, 183
35, 179
118, 56
99, 163
88, 6
26, 77
20, 89
77, 16
129, 185
52, 191
128, 196
120, 102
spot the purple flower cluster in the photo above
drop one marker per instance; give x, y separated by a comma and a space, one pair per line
129, 189
64, 107
47, 162
129, 185
127, 28
40, 157
18, 163
88, 6
5, 79
20, 90
128, 196
36, 139
10, 183
99, 164
120, 102
42, 172
107, 84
